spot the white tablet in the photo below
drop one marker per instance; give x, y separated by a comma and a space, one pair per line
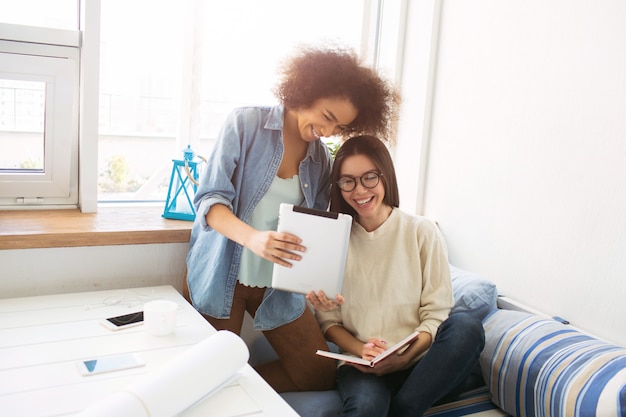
325, 236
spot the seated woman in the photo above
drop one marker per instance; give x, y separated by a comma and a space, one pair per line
396, 281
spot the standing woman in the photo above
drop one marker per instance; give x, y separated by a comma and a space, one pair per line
396, 281
265, 156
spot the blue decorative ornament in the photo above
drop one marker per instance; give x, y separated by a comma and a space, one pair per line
182, 188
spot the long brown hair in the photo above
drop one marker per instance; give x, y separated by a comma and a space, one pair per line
377, 152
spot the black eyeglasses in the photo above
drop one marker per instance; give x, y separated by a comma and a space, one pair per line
368, 180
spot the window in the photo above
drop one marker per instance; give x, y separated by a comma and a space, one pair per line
39, 82
169, 72
169, 77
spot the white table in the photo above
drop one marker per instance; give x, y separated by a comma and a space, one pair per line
42, 339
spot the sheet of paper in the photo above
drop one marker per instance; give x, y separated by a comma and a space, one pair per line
230, 401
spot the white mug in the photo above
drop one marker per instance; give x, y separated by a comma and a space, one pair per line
160, 317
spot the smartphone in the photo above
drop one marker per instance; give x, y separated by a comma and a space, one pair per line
123, 322
109, 364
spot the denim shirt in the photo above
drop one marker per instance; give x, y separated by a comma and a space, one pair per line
237, 174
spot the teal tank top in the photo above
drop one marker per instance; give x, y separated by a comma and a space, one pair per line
255, 271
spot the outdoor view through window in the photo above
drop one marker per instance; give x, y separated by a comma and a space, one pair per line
171, 71
22, 117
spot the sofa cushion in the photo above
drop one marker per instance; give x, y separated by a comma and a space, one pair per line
473, 293
535, 366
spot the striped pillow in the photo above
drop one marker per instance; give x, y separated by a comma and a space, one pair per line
535, 366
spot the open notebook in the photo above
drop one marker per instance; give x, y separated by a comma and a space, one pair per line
325, 236
349, 358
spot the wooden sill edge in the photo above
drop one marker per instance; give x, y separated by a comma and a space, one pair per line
32, 229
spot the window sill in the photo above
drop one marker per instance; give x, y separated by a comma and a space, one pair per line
30, 229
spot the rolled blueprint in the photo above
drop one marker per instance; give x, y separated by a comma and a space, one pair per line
180, 383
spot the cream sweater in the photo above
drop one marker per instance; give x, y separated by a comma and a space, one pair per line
397, 280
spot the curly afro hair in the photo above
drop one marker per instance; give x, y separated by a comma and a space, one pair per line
336, 72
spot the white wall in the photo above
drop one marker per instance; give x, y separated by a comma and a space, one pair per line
527, 152
28, 272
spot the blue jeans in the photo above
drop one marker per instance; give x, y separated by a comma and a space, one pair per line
447, 364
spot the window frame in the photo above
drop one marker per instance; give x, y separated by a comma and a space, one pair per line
53, 56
